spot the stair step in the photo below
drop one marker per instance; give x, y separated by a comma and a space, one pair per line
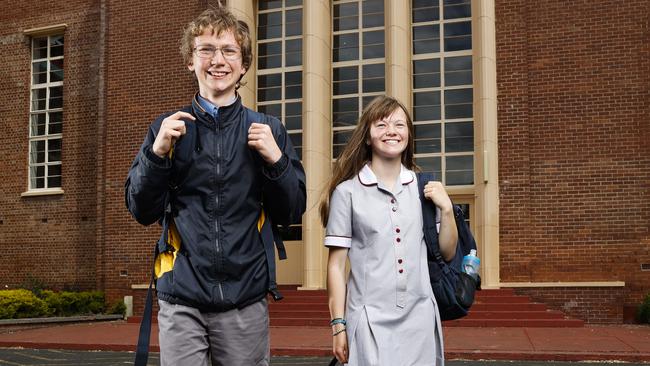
490, 299
509, 307
302, 293
304, 299
496, 292
492, 308
289, 313
514, 315
521, 323
299, 322
298, 306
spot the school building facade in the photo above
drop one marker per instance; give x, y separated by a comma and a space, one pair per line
534, 114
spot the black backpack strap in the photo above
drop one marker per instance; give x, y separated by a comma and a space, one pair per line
429, 221
268, 235
144, 336
142, 350
271, 236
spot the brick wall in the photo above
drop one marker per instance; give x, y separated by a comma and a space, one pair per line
50, 239
573, 81
601, 305
146, 78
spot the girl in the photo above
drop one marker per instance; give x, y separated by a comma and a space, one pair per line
372, 213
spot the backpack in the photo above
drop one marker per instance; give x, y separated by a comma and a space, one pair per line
169, 242
453, 289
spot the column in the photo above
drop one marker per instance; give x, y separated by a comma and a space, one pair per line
244, 10
485, 140
398, 50
317, 133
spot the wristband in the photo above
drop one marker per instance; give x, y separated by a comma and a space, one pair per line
338, 321
338, 332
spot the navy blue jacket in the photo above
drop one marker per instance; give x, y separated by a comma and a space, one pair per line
216, 187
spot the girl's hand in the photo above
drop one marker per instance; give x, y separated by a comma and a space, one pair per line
340, 347
436, 192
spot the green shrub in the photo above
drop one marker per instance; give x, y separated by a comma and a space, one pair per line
21, 304
67, 303
33, 284
118, 308
643, 315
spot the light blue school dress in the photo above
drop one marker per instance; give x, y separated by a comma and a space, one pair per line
392, 316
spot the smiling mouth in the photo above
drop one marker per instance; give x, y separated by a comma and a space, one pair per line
218, 74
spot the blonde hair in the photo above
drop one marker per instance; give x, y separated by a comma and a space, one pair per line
217, 20
357, 152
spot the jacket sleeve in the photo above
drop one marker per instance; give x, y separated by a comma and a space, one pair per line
285, 193
147, 184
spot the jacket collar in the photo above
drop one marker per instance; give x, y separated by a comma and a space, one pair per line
368, 178
226, 113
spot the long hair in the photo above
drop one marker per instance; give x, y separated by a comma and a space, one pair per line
358, 152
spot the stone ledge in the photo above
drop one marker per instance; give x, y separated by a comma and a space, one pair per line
61, 319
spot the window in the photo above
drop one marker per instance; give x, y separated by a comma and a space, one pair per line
46, 113
358, 56
442, 89
279, 72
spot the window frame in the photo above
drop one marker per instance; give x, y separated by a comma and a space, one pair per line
283, 71
359, 63
441, 55
48, 34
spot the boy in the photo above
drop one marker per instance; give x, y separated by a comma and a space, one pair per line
207, 171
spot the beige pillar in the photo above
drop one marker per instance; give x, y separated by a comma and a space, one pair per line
485, 140
244, 10
397, 17
316, 133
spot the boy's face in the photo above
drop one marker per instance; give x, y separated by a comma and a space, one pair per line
217, 64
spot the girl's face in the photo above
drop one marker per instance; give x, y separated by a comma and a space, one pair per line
389, 136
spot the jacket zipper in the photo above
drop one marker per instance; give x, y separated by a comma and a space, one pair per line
216, 224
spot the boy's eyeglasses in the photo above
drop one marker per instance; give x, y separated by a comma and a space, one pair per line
229, 53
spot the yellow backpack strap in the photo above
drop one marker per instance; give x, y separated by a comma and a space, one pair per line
164, 261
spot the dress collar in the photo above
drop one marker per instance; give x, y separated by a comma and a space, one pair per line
368, 178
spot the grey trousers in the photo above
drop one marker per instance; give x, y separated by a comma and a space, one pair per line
238, 337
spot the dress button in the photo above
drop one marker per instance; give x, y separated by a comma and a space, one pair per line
399, 261
392, 200
397, 230
398, 240
401, 270
394, 209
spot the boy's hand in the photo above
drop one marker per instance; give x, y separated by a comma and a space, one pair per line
436, 192
261, 139
171, 129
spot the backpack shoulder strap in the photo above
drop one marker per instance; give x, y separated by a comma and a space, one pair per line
429, 219
269, 231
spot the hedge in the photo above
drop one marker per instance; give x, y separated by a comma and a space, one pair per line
643, 315
23, 303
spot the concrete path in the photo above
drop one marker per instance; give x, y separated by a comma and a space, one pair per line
628, 343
